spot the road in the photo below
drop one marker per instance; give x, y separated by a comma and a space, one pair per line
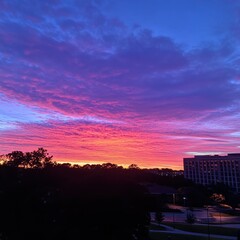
202, 215
172, 230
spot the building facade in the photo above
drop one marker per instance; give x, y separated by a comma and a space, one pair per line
214, 169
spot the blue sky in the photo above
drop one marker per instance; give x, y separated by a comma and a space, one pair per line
188, 22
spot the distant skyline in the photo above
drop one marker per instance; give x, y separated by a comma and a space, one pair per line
143, 82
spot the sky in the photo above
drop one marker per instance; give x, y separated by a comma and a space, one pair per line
127, 82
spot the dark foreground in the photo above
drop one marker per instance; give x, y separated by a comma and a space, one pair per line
58, 202
66, 203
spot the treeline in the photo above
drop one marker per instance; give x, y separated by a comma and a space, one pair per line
40, 199
41, 159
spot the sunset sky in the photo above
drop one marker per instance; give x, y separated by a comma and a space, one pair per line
121, 81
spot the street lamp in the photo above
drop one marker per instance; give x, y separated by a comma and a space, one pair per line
208, 224
174, 199
173, 220
184, 201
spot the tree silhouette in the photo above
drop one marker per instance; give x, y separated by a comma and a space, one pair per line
217, 198
110, 166
133, 166
233, 200
159, 217
14, 159
191, 219
41, 159
37, 159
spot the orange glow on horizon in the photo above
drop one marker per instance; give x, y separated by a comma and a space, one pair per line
83, 143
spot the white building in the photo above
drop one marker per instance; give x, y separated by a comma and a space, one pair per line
214, 169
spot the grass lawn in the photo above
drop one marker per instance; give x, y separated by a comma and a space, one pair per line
204, 229
165, 236
156, 227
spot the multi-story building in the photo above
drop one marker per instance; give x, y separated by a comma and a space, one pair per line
214, 169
